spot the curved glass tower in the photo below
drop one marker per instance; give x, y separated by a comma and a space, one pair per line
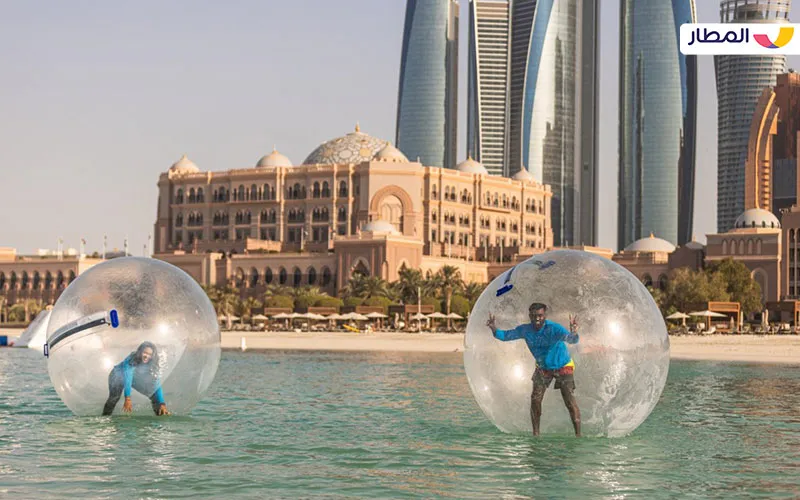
658, 113
740, 81
552, 108
427, 96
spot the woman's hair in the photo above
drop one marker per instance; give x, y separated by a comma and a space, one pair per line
137, 355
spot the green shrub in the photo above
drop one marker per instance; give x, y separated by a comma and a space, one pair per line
280, 301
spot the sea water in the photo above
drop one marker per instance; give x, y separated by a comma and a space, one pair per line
344, 425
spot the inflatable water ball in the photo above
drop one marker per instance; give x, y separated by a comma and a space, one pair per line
135, 328
620, 361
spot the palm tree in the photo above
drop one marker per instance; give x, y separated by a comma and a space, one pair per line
364, 287
472, 291
228, 300
245, 307
450, 281
408, 285
32, 308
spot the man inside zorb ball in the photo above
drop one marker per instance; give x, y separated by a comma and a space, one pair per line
547, 342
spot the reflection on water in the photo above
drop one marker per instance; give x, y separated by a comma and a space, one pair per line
287, 424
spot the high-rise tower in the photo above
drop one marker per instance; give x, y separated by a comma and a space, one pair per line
427, 104
488, 83
740, 82
657, 119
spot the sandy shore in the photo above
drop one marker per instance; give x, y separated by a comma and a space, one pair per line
740, 348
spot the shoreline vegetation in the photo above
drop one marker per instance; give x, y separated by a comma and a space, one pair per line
773, 349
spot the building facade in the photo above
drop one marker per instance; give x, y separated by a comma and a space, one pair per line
489, 31
657, 121
356, 204
427, 102
771, 166
552, 108
740, 82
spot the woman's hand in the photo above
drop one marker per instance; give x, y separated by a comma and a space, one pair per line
490, 323
162, 410
127, 406
573, 323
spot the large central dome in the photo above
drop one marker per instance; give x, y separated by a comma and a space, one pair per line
355, 147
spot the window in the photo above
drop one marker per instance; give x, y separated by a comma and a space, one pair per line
297, 277
312, 276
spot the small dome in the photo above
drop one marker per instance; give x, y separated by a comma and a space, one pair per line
522, 175
274, 159
355, 147
391, 154
758, 218
184, 166
379, 226
694, 245
471, 166
651, 244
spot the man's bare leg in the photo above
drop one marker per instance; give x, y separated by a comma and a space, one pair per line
536, 405
568, 394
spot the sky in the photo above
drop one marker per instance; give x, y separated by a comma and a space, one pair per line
98, 98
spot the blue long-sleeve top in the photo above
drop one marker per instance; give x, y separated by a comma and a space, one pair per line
546, 344
132, 376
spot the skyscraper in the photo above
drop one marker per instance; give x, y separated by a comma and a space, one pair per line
427, 105
552, 108
657, 118
488, 83
740, 81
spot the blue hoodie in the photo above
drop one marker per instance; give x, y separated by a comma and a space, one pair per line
548, 344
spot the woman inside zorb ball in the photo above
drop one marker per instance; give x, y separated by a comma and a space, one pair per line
607, 371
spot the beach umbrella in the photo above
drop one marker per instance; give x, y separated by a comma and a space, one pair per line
281, 316
360, 317
315, 316
680, 316
437, 315
335, 316
453, 315
419, 316
708, 315
376, 315
260, 317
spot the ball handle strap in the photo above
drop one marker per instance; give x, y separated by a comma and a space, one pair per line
81, 324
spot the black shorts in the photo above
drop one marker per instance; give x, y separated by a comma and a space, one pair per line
542, 379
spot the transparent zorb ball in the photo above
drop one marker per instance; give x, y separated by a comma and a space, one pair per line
621, 360
106, 316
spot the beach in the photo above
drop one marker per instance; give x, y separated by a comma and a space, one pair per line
783, 349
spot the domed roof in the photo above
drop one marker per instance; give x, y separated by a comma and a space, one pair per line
694, 245
184, 166
379, 226
758, 218
522, 175
390, 153
354, 147
651, 244
274, 159
471, 166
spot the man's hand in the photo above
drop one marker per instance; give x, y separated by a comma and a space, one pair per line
490, 323
127, 406
162, 410
573, 323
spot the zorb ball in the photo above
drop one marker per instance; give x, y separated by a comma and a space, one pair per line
621, 358
114, 312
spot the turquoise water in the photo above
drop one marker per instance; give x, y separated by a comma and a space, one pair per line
299, 425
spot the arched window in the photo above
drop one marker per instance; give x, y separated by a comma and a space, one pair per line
297, 277
71, 276
662, 282
253, 277
241, 193
326, 276
179, 220
749, 247
13, 279
48, 279
266, 192
343, 189
315, 191
434, 193
326, 190
741, 247
268, 276
248, 217
25, 279
282, 276
264, 217
201, 198
312, 276
296, 191
758, 247
724, 247
37, 280
192, 196
254, 192
239, 277
647, 280
60, 279
179, 196
342, 214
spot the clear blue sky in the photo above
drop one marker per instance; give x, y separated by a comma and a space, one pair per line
98, 98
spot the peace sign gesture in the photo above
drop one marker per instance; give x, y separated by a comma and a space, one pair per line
573, 323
